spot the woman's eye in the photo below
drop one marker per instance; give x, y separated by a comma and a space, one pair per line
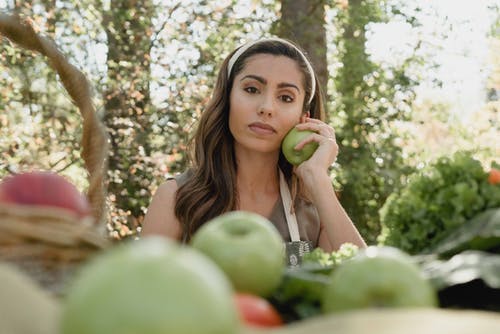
251, 90
286, 98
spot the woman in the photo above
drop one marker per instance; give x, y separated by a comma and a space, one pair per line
263, 89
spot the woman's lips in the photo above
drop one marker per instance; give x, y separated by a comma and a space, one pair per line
261, 128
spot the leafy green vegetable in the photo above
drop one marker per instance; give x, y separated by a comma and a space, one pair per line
436, 201
462, 268
299, 295
480, 233
346, 251
300, 292
470, 279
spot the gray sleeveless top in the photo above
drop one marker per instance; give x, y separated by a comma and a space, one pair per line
307, 217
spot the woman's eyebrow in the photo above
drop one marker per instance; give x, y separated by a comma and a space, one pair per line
264, 81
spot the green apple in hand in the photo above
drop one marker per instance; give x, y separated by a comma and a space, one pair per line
378, 277
150, 286
247, 247
292, 138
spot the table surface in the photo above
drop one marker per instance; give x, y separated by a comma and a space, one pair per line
394, 321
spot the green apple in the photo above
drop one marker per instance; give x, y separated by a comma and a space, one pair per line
24, 306
150, 286
378, 277
292, 138
247, 247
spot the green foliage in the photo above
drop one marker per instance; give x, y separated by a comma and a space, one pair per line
369, 97
437, 200
40, 128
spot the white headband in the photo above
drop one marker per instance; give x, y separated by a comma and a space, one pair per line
246, 46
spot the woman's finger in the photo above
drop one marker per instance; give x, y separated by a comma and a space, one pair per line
318, 127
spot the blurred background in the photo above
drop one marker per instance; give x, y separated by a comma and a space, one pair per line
407, 81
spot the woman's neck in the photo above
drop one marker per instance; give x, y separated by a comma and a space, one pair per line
257, 174
257, 183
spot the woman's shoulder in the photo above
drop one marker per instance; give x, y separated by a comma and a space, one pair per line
181, 178
160, 217
174, 182
167, 188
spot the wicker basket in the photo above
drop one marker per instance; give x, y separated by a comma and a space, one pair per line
50, 243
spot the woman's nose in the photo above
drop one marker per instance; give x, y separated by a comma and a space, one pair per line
264, 111
267, 106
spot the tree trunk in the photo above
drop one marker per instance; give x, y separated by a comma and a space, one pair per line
126, 101
303, 21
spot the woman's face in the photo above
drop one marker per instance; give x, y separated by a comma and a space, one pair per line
265, 102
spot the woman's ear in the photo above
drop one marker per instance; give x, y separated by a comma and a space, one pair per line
304, 117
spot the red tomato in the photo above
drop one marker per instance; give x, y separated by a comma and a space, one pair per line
494, 176
256, 311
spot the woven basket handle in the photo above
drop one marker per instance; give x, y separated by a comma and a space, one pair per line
94, 138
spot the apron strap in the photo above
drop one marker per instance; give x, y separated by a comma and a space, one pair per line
291, 219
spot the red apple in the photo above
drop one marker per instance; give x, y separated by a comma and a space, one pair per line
256, 311
43, 189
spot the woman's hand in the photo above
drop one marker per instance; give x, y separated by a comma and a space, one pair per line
326, 153
336, 226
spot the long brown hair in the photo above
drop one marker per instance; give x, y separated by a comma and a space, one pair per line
210, 189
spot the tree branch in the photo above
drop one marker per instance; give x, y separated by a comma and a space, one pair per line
156, 35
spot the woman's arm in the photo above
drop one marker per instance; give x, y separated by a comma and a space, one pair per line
336, 226
160, 218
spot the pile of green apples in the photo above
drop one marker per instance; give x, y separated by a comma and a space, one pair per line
218, 283
154, 285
